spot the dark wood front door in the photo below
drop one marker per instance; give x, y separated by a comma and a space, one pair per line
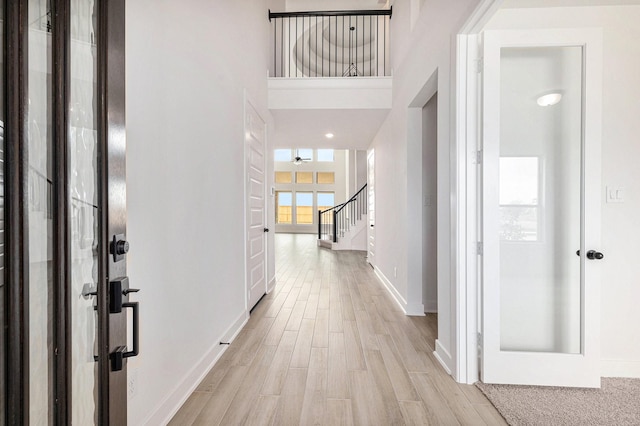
63, 243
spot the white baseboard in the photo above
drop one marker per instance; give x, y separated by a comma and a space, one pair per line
415, 309
431, 307
443, 356
620, 368
271, 284
392, 290
174, 400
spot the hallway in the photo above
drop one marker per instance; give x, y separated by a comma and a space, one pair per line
329, 346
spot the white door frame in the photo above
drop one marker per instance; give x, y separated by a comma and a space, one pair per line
467, 140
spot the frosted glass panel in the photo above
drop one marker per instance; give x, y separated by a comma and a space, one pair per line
40, 216
83, 210
540, 216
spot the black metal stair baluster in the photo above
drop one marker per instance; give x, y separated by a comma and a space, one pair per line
289, 51
323, 46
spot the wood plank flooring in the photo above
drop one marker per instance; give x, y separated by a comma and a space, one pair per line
330, 347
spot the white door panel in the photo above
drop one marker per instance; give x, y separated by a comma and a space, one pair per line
541, 203
255, 136
371, 233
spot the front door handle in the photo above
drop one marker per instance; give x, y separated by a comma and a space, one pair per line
136, 329
118, 356
592, 255
266, 229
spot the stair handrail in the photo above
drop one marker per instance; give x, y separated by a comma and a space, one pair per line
352, 199
339, 222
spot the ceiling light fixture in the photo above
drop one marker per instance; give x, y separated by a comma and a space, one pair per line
329, 135
549, 99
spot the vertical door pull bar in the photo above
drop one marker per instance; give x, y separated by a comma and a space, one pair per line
136, 329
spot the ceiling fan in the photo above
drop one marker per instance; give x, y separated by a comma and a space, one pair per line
299, 160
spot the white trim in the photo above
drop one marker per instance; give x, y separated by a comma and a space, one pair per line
620, 368
271, 284
466, 215
415, 310
443, 356
170, 405
480, 16
391, 289
431, 307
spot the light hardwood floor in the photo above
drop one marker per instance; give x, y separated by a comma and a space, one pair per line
330, 347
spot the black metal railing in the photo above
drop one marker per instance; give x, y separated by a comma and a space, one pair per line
336, 221
348, 43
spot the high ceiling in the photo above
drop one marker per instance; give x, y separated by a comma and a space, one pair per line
306, 128
355, 129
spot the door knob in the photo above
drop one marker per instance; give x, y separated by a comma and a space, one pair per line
266, 229
592, 255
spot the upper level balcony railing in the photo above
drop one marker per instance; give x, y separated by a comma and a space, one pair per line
348, 43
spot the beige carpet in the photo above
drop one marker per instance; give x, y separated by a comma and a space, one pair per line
616, 403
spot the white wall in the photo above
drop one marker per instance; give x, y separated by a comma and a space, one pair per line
430, 43
186, 81
620, 227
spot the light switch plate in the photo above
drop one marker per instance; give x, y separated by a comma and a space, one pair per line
615, 194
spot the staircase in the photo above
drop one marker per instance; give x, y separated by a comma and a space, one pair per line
343, 227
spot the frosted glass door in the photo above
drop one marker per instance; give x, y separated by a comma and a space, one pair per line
539, 199
40, 176
83, 212
540, 194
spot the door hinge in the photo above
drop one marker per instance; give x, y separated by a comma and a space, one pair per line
479, 339
479, 157
479, 248
479, 65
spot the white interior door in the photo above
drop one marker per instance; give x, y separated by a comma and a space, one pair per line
371, 233
255, 136
541, 204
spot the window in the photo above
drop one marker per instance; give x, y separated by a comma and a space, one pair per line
283, 177
326, 200
305, 154
519, 198
326, 177
325, 155
304, 208
284, 203
304, 177
282, 155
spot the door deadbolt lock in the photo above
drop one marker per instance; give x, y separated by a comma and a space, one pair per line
119, 247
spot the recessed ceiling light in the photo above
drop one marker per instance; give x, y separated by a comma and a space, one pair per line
328, 135
549, 99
